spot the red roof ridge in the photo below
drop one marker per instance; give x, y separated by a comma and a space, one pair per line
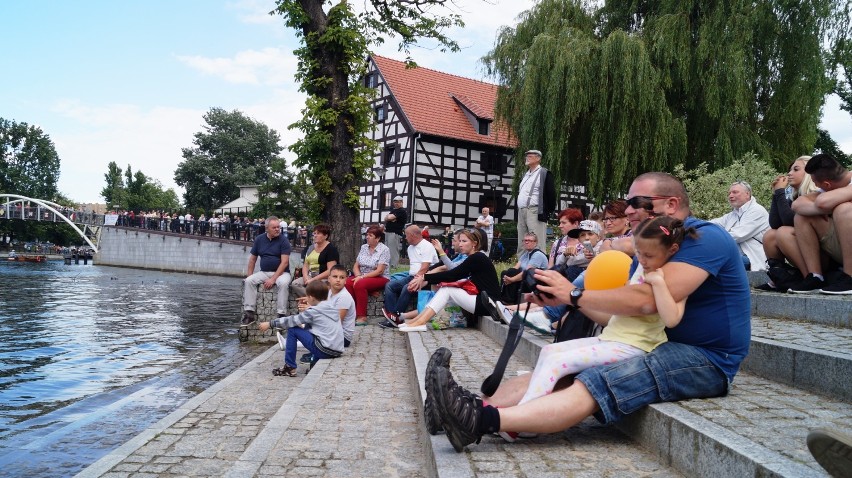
434, 70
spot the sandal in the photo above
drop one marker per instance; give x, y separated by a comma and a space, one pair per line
362, 322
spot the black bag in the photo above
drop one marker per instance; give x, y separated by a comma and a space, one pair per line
575, 325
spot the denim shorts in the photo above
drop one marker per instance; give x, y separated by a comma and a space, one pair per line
671, 372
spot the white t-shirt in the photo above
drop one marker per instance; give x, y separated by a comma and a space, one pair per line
489, 229
424, 251
343, 300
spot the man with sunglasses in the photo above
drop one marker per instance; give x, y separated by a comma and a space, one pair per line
700, 359
746, 223
536, 199
822, 219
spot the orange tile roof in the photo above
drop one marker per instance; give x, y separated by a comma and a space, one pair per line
430, 100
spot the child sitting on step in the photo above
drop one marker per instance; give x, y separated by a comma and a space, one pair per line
324, 337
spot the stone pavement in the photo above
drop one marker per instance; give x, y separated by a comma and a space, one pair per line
353, 416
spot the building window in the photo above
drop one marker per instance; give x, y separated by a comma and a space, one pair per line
380, 114
391, 154
371, 80
385, 197
494, 163
484, 127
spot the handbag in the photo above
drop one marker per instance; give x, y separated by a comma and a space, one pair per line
423, 298
464, 284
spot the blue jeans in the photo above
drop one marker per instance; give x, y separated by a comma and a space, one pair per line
397, 296
671, 372
307, 339
555, 312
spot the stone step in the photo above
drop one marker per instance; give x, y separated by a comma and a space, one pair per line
759, 429
804, 354
819, 308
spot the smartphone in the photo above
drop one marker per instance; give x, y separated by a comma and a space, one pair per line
588, 246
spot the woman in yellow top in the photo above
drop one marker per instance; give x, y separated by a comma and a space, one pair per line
321, 257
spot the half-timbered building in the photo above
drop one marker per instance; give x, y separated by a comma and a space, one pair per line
440, 148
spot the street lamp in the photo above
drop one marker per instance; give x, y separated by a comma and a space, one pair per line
494, 182
380, 171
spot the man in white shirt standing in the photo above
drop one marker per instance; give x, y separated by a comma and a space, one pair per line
536, 199
486, 223
746, 223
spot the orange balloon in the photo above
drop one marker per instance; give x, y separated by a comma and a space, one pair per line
608, 270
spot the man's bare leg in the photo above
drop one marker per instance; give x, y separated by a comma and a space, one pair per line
551, 413
510, 392
808, 231
842, 215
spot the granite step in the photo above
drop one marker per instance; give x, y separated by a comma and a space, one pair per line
759, 429
802, 353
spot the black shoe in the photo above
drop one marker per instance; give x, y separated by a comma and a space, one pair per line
489, 306
440, 358
766, 288
811, 284
388, 324
459, 410
784, 277
832, 450
307, 358
841, 286
248, 318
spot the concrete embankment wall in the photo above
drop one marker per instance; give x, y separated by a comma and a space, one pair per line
163, 251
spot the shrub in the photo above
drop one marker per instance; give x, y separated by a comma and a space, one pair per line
708, 192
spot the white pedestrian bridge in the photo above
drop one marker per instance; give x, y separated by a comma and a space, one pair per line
13, 206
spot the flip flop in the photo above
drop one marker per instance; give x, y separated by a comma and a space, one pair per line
358, 323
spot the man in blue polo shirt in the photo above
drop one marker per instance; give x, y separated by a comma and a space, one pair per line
274, 252
700, 359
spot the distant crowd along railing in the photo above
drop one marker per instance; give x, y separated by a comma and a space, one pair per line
237, 229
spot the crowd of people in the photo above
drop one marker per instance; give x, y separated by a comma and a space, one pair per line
655, 346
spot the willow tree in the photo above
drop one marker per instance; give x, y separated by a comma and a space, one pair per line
336, 151
625, 87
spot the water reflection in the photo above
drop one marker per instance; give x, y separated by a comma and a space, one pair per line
69, 333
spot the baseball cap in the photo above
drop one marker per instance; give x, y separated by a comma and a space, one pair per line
397, 198
587, 225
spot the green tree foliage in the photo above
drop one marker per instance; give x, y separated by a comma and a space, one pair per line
136, 191
233, 150
287, 195
609, 90
29, 165
708, 191
336, 151
826, 144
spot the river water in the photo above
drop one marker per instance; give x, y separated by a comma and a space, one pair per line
92, 355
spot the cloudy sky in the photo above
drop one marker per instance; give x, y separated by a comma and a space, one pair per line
130, 81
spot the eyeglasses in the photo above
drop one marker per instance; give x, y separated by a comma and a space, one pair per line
744, 184
644, 202
611, 218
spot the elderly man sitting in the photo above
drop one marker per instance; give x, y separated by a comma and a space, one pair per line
746, 223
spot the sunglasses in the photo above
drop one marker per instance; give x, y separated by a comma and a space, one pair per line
644, 202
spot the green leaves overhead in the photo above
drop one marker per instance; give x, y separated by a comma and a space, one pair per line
611, 91
29, 164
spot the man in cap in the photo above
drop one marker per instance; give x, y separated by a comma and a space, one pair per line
536, 198
394, 226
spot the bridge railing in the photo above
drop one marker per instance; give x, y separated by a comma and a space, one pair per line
37, 213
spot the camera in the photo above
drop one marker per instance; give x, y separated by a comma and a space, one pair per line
529, 284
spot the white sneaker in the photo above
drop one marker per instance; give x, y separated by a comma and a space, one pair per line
507, 313
281, 341
416, 328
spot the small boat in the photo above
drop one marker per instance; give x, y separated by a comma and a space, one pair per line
13, 256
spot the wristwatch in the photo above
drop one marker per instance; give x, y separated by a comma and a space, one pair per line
575, 296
